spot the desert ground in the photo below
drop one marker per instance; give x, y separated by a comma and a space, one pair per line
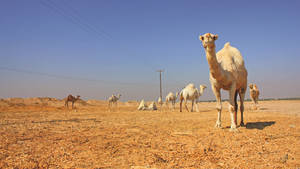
42, 133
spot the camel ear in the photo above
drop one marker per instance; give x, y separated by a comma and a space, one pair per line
215, 37
201, 38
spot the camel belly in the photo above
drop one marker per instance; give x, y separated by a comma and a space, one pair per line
226, 82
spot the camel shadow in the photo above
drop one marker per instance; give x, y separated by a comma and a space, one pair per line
259, 125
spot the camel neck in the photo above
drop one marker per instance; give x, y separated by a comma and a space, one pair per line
214, 66
201, 91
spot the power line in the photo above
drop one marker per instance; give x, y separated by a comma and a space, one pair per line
80, 16
71, 77
75, 18
72, 18
80, 78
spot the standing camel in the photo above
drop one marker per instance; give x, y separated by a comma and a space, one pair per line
113, 100
190, 92
228, 72
72, 99
171, 98
254, 93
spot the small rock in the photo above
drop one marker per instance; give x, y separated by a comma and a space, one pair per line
284, 158
292, 125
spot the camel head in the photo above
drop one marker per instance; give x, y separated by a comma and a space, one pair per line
255, 87
202, 87
208, 40
78, 97
251, 85
119, 95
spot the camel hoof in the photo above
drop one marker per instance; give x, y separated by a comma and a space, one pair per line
218, 125
242, 124
234, 130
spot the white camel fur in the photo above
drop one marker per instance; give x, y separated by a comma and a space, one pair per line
227, 71
171, 98
190, 92
254, 93
113, 100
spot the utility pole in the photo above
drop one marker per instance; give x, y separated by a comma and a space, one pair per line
160, 85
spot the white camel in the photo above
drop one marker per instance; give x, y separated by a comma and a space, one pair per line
113, 100
228, 72
190, 92
254, 93
171, 98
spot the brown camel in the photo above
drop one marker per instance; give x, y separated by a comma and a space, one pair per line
72, 99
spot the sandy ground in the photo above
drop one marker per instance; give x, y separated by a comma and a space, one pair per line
36, 136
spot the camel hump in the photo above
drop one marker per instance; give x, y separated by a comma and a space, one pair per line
227, 44
190, 85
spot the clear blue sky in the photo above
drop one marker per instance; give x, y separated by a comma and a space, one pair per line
120, 45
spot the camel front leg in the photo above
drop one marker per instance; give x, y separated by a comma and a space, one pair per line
185, 103
109, 106
192, 106
167, 104
219, 106
197, 106
254, 104
173, 103
180, 105
231, 107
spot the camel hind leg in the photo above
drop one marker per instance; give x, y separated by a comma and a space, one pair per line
181, 99
185, 104
231, 107
66, 104
235, 107
192, 106
242, 97
197, 106
173, 103
167, 104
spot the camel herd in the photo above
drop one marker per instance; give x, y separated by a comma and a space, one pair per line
226, 71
